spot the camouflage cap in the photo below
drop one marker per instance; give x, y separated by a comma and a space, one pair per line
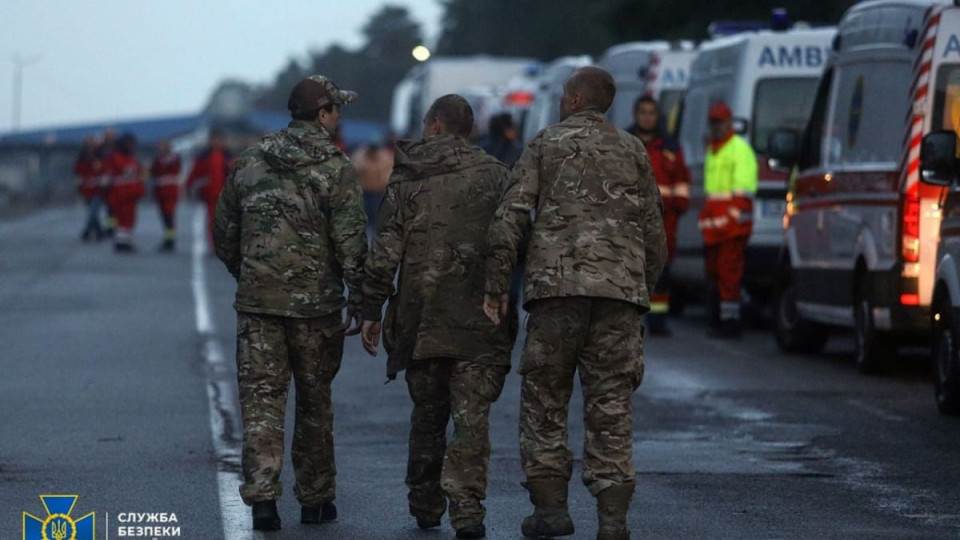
317, 91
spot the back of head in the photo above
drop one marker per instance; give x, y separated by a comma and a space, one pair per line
454, 113
595, 85
499, 124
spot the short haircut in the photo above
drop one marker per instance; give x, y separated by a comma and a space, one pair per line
454, 112
645, 99
309, 116
499, 124
595, 85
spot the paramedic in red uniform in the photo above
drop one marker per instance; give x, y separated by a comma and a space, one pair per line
89, 170
209, 173
165, 171
673, 179
126, 189
729, 185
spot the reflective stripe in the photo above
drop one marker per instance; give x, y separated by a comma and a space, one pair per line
167, 180
714, 223
720, 197
682, 190
730, 311
659, 307
665, 191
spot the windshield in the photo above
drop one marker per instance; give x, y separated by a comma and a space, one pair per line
946, 114
670, 102
779, 104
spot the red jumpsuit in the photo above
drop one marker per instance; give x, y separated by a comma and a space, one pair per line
126, 188
209, 174
165, 171
88, 172
673, 179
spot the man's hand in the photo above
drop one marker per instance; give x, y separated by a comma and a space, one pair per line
496, 307
371, 336
353, 318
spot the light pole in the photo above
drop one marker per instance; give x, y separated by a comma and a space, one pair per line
18, 64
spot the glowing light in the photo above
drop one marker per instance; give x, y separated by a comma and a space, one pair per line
910, 299
421, 53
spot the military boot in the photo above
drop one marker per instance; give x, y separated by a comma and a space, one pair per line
325, 513
265, 516
612, 506
550, 517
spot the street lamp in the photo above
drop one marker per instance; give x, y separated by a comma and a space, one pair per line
421, 53
18, 64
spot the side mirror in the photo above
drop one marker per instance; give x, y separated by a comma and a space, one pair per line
740, 126
938, 158
783, 149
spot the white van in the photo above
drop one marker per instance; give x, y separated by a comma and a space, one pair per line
769, 79
667, 78
629, 64
439, 76
545, 110
862, 230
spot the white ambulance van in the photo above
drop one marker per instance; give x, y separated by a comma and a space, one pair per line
629, 64
769, 79
940, 166
861, 232
667, 79
545, 110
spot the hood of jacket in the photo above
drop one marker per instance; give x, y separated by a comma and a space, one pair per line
298, 145
435, 155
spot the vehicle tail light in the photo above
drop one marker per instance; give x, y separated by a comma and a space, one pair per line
910, 299
518, 98
911, 224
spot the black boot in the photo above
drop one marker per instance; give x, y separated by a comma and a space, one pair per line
168, 245
265, 516
550, 517
318, 514
612, 506
427, 522
473, 531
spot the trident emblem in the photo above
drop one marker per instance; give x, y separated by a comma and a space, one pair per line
58, 529
58, 525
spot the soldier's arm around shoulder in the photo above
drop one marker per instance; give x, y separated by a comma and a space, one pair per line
348, 224
226, 224
654, 235
512, 218
385, 254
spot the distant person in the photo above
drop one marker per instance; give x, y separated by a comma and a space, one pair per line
209, 172
165, 171
596, 252
290, 228
432, 227
673, 179
373, 163
108, 145
501, 139
89, 172
726, 221
126, 189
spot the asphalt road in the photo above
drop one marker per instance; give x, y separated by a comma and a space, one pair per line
106, 387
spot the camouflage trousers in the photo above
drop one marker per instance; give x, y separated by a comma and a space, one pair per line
442, 388
269, 350
601, 339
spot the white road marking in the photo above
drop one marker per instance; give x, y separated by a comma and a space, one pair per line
226, 440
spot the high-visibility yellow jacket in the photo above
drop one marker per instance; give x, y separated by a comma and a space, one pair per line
729, 184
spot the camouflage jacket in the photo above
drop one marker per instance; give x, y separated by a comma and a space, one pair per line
433, 225
290, 225
598, 225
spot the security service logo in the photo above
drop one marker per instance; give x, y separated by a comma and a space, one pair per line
58, 524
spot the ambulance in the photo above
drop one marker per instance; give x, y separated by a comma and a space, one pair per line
629, 64
769, 79
438, 76
862, 232
940, 166
667, 78
545, 110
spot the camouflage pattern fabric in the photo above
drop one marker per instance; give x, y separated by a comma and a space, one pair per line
433, 225
441, 388
599, 219
601, 339
290, 225
269, 350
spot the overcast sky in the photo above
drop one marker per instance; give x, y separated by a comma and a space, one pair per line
116, 59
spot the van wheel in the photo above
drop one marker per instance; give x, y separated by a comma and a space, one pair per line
794, 334
874, 349
946, 361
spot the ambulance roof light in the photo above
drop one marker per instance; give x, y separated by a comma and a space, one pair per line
779, 20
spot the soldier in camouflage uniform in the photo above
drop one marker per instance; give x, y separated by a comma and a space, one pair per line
596, 251
432, 225
290, 227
